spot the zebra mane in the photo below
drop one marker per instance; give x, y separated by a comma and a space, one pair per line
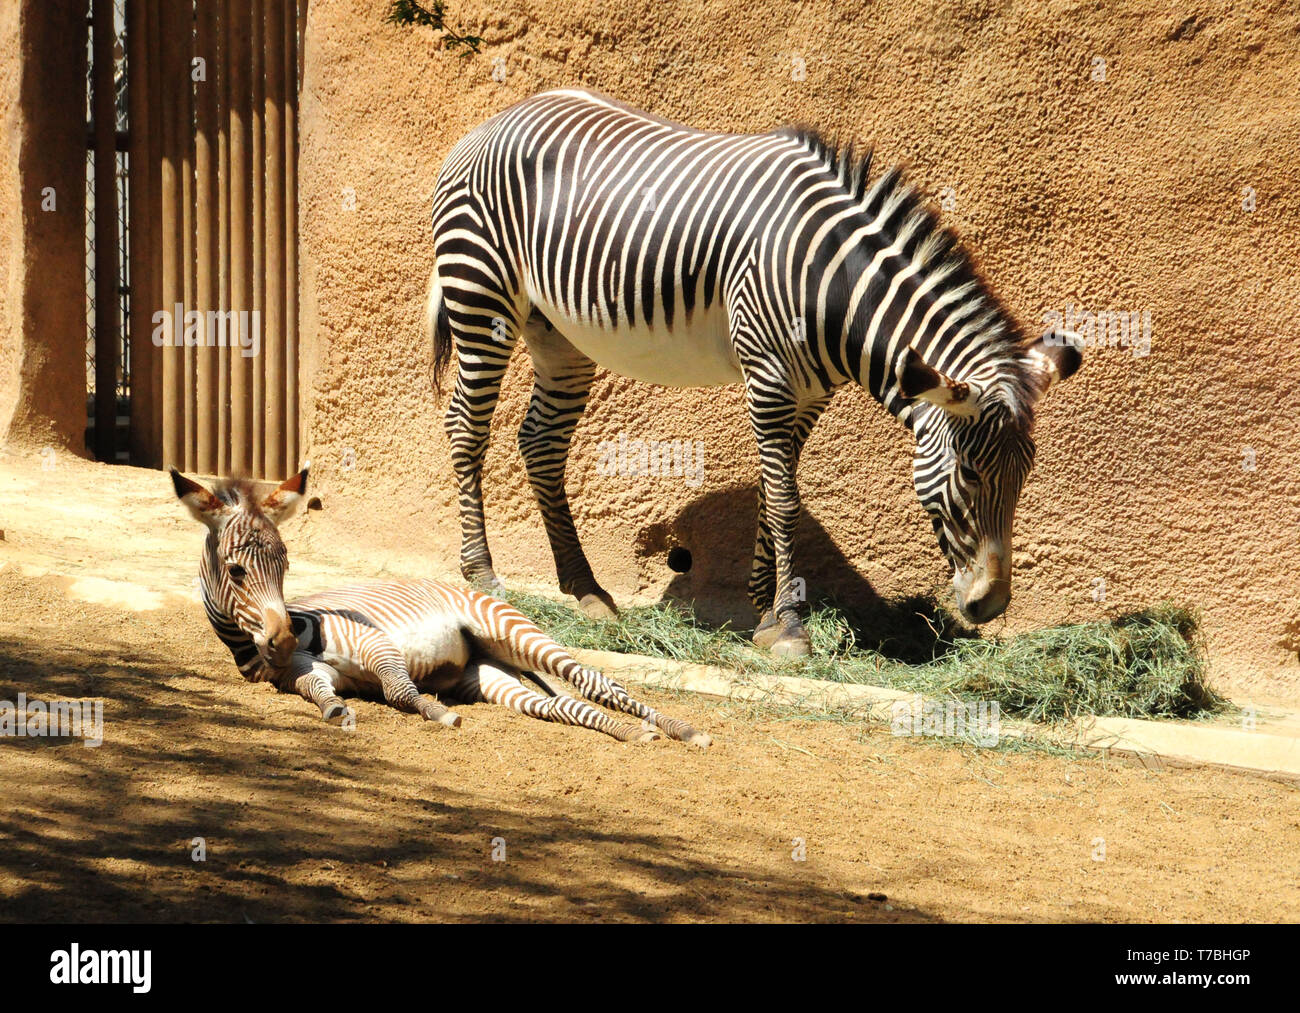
236, 492
242, 493
851, 169
938, 250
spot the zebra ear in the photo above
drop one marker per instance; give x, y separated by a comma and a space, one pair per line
1056, 356
918, 380
285, 500
202, 504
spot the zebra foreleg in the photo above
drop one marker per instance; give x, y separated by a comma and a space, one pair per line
773, 419
762, 574
314, 680
562, 378
498, 683
378, 656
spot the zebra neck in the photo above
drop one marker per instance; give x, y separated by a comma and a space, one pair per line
873, 369
896, 288
977, 360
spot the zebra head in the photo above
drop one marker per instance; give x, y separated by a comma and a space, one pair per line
973, 454
243, 567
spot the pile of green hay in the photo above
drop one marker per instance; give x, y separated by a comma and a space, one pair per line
1150, 663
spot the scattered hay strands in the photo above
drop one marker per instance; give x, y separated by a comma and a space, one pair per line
1146, 664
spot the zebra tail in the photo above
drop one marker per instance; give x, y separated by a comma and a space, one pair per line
439, 328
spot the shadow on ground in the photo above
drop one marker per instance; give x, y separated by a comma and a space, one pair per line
912, 630
301, 825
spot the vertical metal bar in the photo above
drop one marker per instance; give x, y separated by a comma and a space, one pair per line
174, 74
238, 64
222, 8
258, 81
154, 44
291, 233
107, 322
139, 229
185, 137
273, 462
206, 239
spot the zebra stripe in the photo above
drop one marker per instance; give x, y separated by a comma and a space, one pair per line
401, 638
602, 234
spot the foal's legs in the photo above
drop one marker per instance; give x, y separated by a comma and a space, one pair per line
498, 683
314, 680
374, 651
516, 643
602, 689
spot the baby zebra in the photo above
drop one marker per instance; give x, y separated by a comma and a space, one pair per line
400, 638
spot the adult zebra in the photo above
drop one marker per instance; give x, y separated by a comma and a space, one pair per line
604, 235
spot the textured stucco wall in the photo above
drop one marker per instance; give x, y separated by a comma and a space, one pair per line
42, 249
10, 212
1122, 194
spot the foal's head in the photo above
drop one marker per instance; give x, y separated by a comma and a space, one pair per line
242, 571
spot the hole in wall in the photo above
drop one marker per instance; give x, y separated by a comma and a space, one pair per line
679, 560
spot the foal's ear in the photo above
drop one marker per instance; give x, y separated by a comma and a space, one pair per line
202, 504
284, 501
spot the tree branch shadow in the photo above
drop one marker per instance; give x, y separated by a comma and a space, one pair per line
288, 821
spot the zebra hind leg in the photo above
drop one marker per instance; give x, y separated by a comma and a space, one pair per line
562, 378
495, 682
517, 644
602, 689
483, 346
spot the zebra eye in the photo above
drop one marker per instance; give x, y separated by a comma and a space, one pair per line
237, 573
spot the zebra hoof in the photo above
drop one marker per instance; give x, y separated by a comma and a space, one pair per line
700, 739
792, 647
785, 638
438, 713
767, 632
637, 733
335, 713
483, 580
595, 606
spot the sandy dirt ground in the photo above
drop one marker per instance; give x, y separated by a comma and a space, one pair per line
397, 819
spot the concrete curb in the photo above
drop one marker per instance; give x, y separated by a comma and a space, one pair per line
1154, 743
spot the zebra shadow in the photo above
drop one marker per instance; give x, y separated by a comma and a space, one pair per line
708, 548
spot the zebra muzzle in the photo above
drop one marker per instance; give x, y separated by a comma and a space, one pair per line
277, 642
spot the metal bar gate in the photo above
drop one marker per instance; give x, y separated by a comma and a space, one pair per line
211, 192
